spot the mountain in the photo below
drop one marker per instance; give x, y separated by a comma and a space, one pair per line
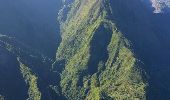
22, 69
107, 50
30, 36
95, 59
147, 34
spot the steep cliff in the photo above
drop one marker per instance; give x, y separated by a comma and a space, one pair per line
94, 59
25, 70
107, 47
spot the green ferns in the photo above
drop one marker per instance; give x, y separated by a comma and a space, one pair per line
31, 80
98, 62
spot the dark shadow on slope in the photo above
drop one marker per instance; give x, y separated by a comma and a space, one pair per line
12, 84
33, 22
45, 83
150, 36
98, 47
39, 64
51, 77
59, 66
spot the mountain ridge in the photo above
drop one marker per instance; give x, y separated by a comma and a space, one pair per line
109, 49
86, 64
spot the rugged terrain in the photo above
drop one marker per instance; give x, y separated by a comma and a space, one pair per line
109, 50
94, 58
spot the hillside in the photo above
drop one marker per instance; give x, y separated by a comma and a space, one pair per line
106, 50
94, 58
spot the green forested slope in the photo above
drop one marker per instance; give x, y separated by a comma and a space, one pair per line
30, 79
94, 59
93, 62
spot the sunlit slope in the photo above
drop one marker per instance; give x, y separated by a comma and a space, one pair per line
94, 59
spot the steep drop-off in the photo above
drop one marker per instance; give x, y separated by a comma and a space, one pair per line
33, 22
149, 34
94, 59
29, 28
97, 59
25, 70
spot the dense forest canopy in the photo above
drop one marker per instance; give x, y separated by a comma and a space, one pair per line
84, 50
